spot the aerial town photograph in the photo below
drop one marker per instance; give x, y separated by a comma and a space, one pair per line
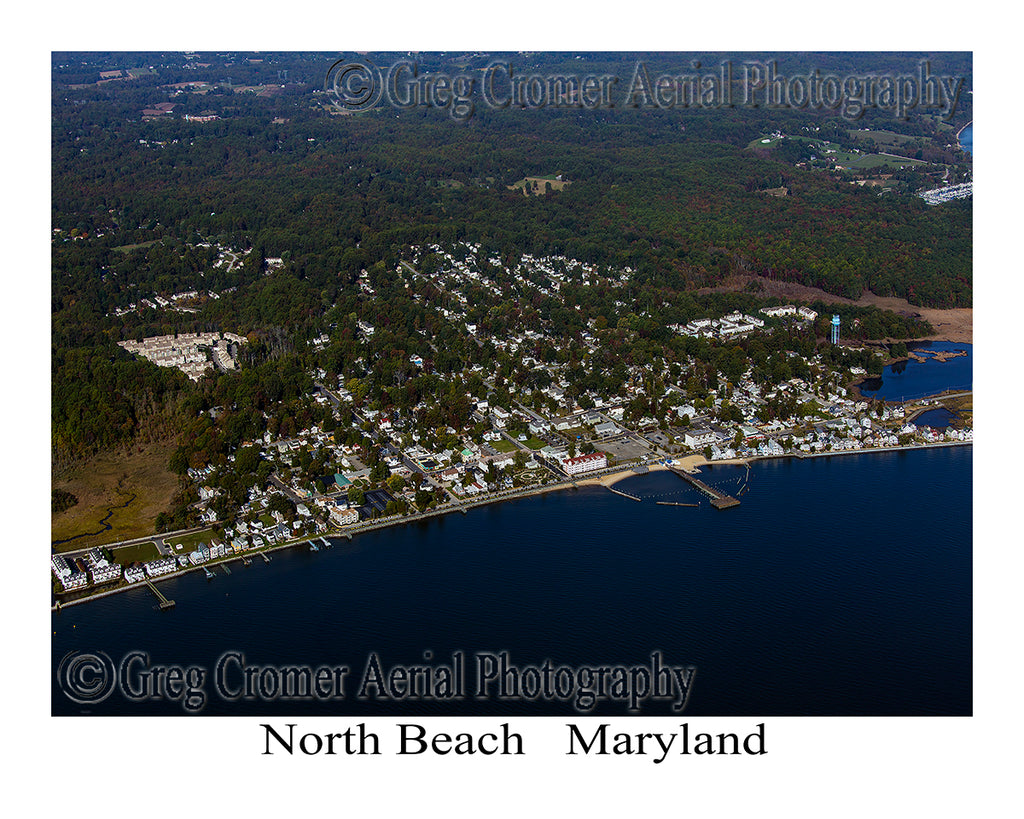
587, 427
526, 384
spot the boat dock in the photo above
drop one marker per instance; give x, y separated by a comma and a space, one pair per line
624, 494
718, 499
265, 556
673, 503
164, 602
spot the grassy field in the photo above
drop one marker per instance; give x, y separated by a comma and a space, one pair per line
535, 443
129, 248
133, 488
884, 139
187, 543
764, 142
848, 159
140, 552
504, 445
868, 161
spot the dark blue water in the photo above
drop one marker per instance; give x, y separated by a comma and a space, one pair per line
967, 139
909, 379
939, 418
840, 586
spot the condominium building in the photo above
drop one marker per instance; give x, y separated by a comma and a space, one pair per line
585, 463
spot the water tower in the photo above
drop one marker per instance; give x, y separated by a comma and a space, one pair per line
835, 329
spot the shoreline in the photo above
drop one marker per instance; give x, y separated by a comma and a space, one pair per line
689, 463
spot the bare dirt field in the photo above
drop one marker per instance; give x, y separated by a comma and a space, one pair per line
133, 488
955, 325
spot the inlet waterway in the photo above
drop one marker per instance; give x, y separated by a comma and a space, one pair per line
910, 379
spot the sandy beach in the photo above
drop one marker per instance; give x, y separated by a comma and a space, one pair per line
691, 464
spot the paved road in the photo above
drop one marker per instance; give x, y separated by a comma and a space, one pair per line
287, 490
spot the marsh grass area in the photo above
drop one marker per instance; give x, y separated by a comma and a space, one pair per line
963, 411
131, 488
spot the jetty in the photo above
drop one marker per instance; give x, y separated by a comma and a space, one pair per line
675, 503
719, 500
624, 494
265, 556
164, 602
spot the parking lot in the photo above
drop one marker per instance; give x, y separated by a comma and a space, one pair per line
658, 437
623, 449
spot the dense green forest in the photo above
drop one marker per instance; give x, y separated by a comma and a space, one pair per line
680, 209
141, 206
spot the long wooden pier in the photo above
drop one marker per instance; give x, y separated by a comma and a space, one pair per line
718, 499
164, 602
